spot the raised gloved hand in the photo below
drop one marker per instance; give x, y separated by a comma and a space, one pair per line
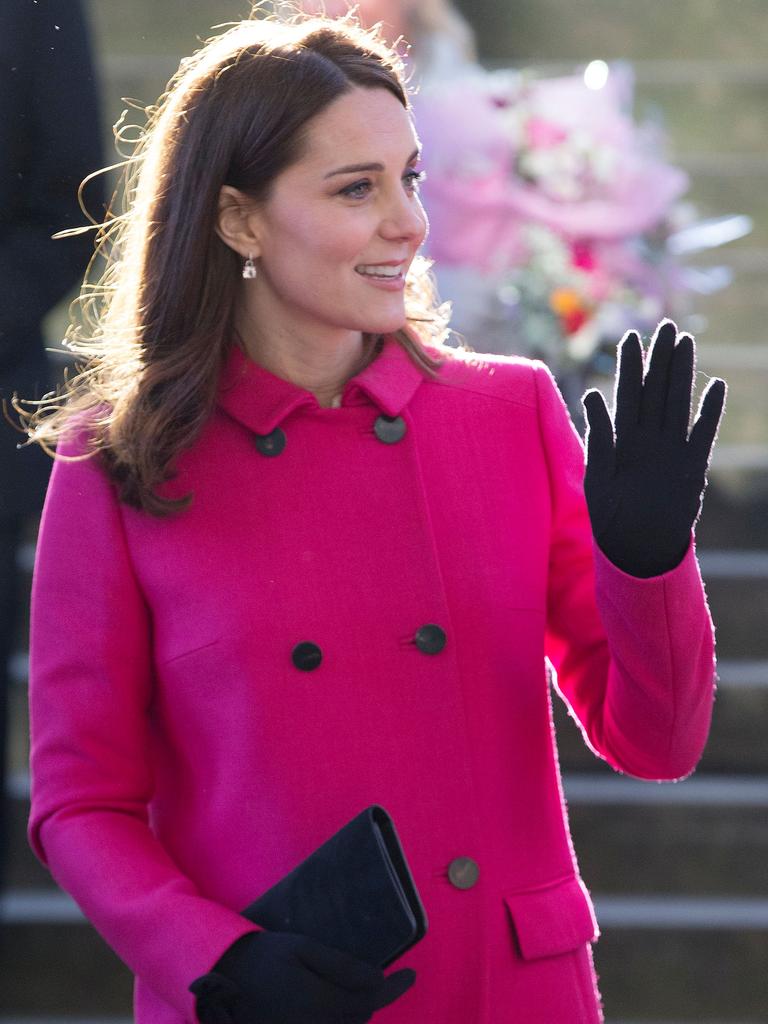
281, 978
644, 483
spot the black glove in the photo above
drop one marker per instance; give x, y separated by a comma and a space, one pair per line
281, 978
644, 486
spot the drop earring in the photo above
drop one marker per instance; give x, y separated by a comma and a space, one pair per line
249, 268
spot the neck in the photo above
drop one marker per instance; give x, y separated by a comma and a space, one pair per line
320, 365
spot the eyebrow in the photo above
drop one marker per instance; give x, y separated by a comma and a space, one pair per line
358, 168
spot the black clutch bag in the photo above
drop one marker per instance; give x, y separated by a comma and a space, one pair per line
354, 893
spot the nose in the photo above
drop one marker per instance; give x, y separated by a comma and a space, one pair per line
404, 219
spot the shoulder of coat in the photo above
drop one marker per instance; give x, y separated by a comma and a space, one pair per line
78, 438
508, 378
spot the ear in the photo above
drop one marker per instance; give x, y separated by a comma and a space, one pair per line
237, 222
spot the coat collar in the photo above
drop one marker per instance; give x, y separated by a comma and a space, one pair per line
260, 400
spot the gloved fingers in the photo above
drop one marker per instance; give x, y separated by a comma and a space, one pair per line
657, 376
359, 1004
327, 1002
707, 421
678, 412
629, 384
394, 986
365, 1003
338, 967
600, 445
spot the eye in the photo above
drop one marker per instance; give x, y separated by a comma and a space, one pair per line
357, 190
413, 179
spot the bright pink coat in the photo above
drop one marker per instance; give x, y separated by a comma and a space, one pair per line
181, 762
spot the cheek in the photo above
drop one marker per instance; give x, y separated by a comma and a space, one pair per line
324, 241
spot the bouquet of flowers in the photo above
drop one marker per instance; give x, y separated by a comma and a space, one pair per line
556, 222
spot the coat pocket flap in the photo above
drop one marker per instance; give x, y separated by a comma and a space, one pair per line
554, 919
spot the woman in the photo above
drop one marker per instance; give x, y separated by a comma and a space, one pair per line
315, 559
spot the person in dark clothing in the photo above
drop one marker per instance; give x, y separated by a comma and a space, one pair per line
49, 142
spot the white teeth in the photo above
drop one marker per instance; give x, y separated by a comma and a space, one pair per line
380, 271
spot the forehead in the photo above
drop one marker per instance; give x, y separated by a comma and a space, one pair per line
361, 126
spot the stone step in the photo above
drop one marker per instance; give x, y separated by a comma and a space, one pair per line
677, 974
737, 590
746, 418
699, 837
735, 510
18, 736
713, 195
730, 114
736, 744
61, 969
23, 870
736, 313
671, 912
724, 357
46, 1019
733, 564
739, 608
689, 32
742, 457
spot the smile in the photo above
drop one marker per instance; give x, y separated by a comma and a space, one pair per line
378, 270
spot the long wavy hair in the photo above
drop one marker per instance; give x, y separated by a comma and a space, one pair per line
156, 325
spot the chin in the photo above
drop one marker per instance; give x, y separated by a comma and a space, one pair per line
385, 328
385, 325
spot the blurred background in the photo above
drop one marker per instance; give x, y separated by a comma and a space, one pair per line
679, 872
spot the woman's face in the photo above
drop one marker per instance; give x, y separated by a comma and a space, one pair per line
342, 225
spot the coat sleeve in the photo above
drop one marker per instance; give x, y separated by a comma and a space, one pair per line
634, 658
90, 694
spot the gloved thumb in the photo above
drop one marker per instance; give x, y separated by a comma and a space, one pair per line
394, 986
217, 998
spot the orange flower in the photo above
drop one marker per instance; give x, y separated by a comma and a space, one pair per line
564, 301
570, 307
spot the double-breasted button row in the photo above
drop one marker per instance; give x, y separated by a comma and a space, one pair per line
271, 444
429, 639
463, 872
306, 656
388, 429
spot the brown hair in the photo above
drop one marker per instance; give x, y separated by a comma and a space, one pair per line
156, 328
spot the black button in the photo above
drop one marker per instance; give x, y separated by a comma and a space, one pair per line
306, 656
430, 639
463, 872
389, 429
270, 444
